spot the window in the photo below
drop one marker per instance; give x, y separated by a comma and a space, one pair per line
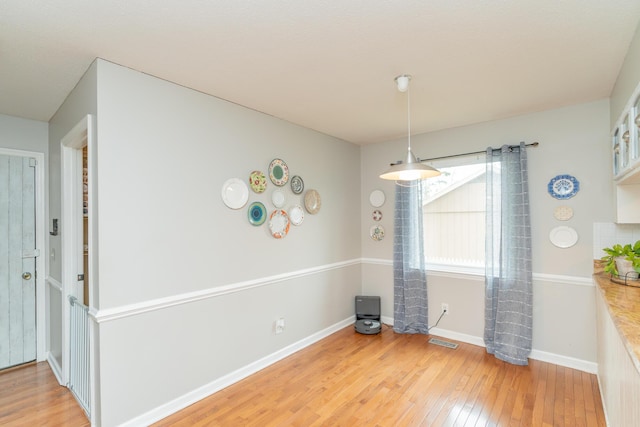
454, 205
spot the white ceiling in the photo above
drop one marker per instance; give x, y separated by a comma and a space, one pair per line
327, 65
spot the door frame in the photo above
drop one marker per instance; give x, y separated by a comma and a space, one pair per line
71, 146
41, 242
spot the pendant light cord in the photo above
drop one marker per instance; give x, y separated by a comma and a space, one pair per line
409, 117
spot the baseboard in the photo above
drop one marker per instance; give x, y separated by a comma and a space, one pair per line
566, 361
57, 371
543, 356
604, 406
194, 396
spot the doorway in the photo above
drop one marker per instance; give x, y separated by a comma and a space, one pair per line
78, 261
21, 237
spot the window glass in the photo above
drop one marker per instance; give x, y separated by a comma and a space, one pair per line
454, 213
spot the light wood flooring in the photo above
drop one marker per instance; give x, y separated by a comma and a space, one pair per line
31, 396
349, 379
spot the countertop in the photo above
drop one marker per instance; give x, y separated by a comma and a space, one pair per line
623, 303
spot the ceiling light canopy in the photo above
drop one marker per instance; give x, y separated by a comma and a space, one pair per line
411, 168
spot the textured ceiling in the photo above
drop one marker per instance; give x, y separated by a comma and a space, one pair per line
327, 64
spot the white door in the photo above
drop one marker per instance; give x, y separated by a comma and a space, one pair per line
17, 261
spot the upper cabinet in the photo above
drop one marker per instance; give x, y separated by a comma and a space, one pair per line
625, 140
625, 143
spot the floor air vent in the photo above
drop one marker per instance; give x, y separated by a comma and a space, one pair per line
447, 344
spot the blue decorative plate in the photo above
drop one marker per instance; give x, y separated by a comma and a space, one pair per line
257, 213
563, 187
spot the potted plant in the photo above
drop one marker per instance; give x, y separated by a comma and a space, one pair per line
623, 261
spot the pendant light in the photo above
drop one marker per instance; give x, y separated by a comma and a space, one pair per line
411, 168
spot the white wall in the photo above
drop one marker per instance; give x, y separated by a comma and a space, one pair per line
627, 80
573, 140
22, 134
189, 289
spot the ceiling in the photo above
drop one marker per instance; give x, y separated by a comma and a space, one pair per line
327, 65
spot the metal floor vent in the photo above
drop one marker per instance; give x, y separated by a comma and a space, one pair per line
447, 344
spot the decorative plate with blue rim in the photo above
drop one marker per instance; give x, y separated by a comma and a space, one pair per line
257, 213
563, 187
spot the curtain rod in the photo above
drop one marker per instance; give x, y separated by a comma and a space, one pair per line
533, 144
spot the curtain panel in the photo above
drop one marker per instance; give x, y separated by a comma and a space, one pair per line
410, 312
508, 275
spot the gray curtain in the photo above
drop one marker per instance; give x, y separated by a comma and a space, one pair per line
410, 314
508, 282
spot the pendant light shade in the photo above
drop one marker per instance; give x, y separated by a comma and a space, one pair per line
411, 168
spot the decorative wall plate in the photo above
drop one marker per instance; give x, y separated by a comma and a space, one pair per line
563, 236
235, 193
297, 184
376, 198
563, 187
563, 213
278, 198
258, 181
377, 215
312, 201
257, 213
278, 172
279, 224
296, 215
376, 232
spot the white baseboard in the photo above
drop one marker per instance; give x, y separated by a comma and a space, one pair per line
566, 361
57, 371
192, 397
543, 356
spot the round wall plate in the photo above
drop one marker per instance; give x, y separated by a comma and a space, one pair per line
377, 198
563, 213
563, 236
563, 186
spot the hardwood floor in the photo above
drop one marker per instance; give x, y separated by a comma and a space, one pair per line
353, 380
389, 379
31, 396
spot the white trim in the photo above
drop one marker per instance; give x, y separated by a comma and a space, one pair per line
200, 393
565, 280
604, 406
543, 356
377, 261
71, 146
41, 244
115, 313
54, 283
476, 273
55, 368
566, 361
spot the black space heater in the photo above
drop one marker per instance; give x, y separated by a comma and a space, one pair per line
368, 315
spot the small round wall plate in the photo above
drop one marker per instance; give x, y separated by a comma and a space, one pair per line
297, 184
312, 201
563, 187
376, 198
563, 213
258, 181
376, 232
278, 198
376, 215
563, 236
296, 215
257, 213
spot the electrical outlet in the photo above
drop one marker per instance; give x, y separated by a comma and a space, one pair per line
445, 308
279, 325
